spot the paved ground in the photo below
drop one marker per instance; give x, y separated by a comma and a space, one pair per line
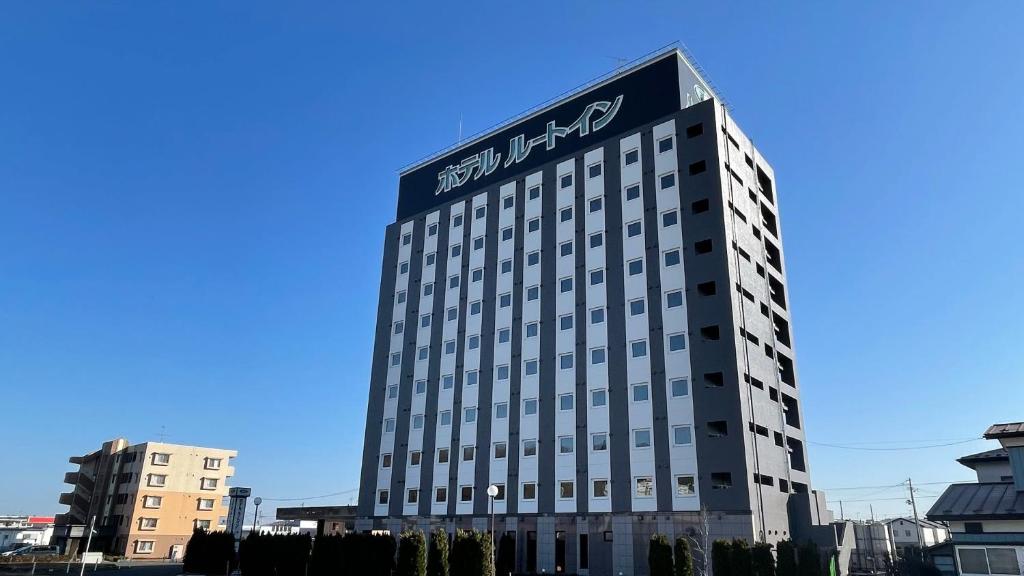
147, 569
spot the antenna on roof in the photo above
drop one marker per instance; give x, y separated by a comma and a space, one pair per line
460, 127
163, 433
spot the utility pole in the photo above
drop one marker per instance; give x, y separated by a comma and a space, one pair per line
88, 542
917, 522
842, 515
872, 508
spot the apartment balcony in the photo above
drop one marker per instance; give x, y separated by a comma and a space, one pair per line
72, 477
66, 498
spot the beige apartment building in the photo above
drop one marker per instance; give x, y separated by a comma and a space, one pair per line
146, 498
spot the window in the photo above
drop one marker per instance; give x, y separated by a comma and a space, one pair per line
468, 453
533, 225
534, 192
466, 493
449, 347
596, 277
529, 448
565, 402
478, 243
412, 496
144, 546
667, 181
153, 501
530, 407
633, 192
431, 258
565, 361
500, 496
599, 398
636, 307
596, 204
600, 488
481, 211
565, 445
529, 491
676, 342
475, 308
644, 487
440, 494
403, 268
406, 239
457, 221
635, 267
508, 202
599, 442
565, 248
400, 298
208, 483
446, 418
565, 181
389, 424
670, 218
474, 342
456, 251
565, 215
425, 321
532, 293
664, 145
447, 381
502, 372
598, 356
641, 393
505, 300
533, 258
597, 316
682, 435
531, 329
594, 170
393, 391
566, 489
673, 299
432, 230
680, 387
695, 130
596, 240
504, 335
415, 457
500, 450
565, 322
421, 386
685, 486
638, 348
632, 156
472, 377
501, 410
442, 455
399, 328
385, 460
672, 258
396, 358
382, 496
530, 368
157, 479
702, 246
633, 229
452, 313
161, 459
470, 415
697, 167
417, 422
506, 266
565, 285
147, 523
477, 275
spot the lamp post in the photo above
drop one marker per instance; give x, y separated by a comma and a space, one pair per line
492, 491
256, 515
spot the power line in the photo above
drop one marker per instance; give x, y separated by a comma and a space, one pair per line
349, 491
894, 485
893, 449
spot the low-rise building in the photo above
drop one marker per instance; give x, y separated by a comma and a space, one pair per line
986, 518
18, 531
873, 548
327, 519
908, 533
145, 499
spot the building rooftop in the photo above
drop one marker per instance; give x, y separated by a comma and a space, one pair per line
997, 455
924, 522
981, 501
1008, 430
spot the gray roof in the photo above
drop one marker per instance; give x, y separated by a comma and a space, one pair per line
925, 523
981, 501
1007, 430
999, 454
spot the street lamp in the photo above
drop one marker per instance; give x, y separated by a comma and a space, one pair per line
256, 515
492, 491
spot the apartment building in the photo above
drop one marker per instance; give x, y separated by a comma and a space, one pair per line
587, 309
146, 498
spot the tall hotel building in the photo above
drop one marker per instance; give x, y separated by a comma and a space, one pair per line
587, 308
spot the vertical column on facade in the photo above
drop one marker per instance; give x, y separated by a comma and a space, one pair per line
564, 368
449, 396
529, 382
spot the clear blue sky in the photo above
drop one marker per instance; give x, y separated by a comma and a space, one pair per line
193, 197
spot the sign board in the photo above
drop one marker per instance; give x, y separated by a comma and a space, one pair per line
642, 95
236, 511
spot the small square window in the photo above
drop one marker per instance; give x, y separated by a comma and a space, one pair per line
474, 342
533, 225
532, 293
682, 435
565, 361
481, 211
478, 243
506, 266
695, 130
598, 398
504, 335
680, 387
422, 353
468, 453
632, 157
667, 181
425, 321
415, 457
440, 494
529, 448
453, 282
456, 251
399, 327
506, 234
600, 488
457, 221
449, 347
446, 418
466, 494
532, 329
534, 192
421, 386
664, 145
596, 277
389, 424
641, 438
452, 313
417, 422
469, 417
637, 307
698, 167
472, 377
676, 342
565, 181
565, 248
670, 218
477, 275
442, 453
599, 442
566, 489
597, 316
382, 496
638, 348
565, 322
508, 202
393, 391
596, 240
432, 230
565, 215
633, 229
530, 407
447, 381
501, 410
566, 445
502, 372
505, 300
641, 393
413, 496
400, 298
633, 192
428, 289
635, 267
565, 402
685, 486
385, 460
672, 258
431, 258
596, 204
533, 258
475, 308
565, 285
500, 450
598, 356
529, 491
396, 359
594, 170
406, 239
403, 268
674, 299
530, 367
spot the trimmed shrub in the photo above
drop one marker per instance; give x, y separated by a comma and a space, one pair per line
210, 553
721, 558
412, 554
684, 558
437, 559
808, 560
739, 558
762, 561
786, 564
327, 557
275, 555
659, 556
471, 554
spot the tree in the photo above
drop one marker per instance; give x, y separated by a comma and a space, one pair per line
659, 556
721, 553
506, 563
412, 554
808, 560
437, 559
684, 559
471, 554
700, 536
739, 558
786, 565
761, 560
